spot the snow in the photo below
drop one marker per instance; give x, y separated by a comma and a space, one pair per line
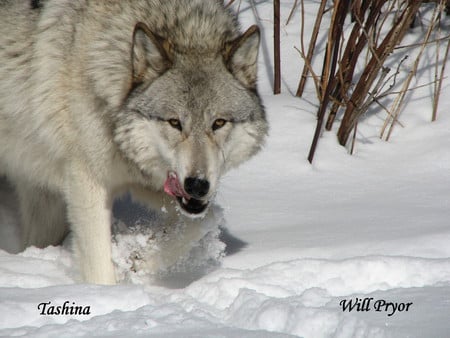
296, 239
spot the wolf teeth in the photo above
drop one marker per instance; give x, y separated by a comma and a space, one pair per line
185, 201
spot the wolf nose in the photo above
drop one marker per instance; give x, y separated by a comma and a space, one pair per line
196, 187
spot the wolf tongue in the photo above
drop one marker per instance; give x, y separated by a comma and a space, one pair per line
172, 186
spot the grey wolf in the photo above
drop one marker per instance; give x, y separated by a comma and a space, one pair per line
156, 97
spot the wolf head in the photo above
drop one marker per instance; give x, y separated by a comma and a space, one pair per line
191, 115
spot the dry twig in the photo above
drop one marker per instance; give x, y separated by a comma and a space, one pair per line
311, 47
277, 57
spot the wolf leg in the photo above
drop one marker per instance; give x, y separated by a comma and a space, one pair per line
89, 211
43, 216
181, 237
181, 233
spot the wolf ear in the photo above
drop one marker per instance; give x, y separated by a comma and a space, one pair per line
150, 54
241, 56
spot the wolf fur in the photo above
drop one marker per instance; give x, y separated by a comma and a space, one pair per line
102, 97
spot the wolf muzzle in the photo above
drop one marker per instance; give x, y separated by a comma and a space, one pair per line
189, 196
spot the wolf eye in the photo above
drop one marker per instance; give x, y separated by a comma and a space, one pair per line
175, 123
219, 123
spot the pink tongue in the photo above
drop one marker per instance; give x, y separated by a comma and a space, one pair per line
173, 187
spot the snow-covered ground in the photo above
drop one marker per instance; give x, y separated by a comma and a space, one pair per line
302, 240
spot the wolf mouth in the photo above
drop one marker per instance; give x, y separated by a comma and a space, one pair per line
188, 204
192, 206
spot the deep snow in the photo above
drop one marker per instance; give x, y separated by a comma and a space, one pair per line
299, 238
